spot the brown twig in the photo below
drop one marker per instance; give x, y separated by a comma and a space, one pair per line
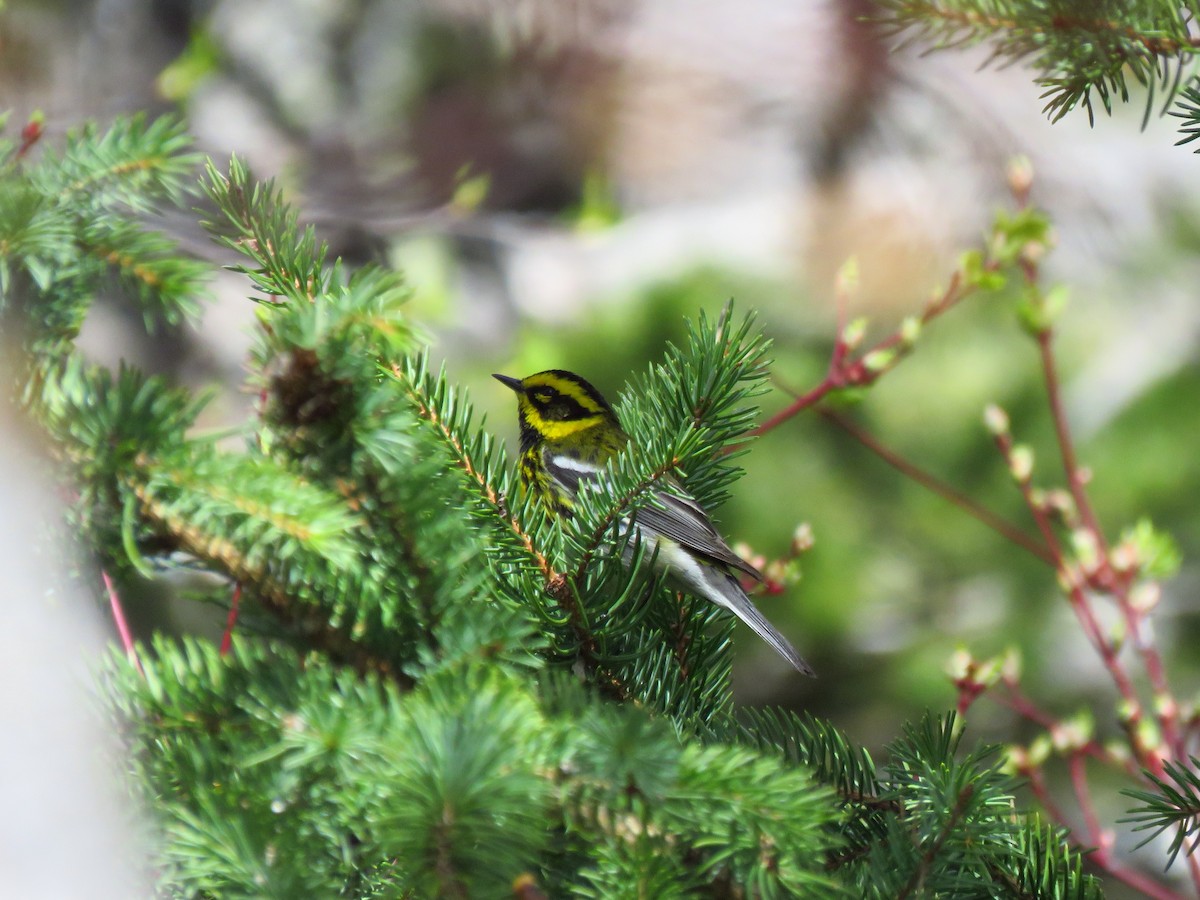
927, 480
918, 876
1103, 576
1022, 705
848, 371
1097, 573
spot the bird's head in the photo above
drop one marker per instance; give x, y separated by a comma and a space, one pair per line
555, 406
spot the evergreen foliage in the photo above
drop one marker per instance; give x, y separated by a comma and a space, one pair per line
1083, 50
439, 693
1175, 806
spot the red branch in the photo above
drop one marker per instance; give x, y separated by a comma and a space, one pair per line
231, 620
1103, 576
847, 371
927, 480
30, 135
1082, 579
118, 614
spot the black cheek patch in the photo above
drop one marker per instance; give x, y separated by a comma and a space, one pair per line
565, 409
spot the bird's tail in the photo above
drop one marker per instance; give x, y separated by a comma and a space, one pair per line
734, 599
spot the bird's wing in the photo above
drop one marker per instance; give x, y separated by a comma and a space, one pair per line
681, 519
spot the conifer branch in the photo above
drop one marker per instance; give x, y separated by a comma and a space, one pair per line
1079, 49
457, 445
132, 163
275, 595
287, 261
450, 423
931, 852
618, 509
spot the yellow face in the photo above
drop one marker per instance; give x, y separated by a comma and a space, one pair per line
557, 407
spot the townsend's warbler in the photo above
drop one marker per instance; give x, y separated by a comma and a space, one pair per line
568, 432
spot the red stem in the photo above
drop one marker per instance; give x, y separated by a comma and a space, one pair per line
1167, 713
1037, 783
801, 403
1083, 609
1021, 704
1075, 480
231, 619
30, 135
925, 479
1076, 765
118, 614
844, 372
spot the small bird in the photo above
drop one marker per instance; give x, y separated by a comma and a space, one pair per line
568, 432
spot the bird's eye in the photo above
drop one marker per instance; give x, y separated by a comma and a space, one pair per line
543, 396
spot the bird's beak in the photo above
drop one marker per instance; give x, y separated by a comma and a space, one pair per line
514, 383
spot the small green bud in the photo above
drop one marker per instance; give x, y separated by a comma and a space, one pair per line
1013, 235
1039, 750
960, 664
1020, 463
976, 274
1062, 504
1156, 552
1010, 667
1031, 252
1068, 577
1165, 706
1148, 735
880, 360
1037, 311
1117, 633
995, 419
1118, 750
988, 673
1072, 734
854, 332
1128, 711
1123, 557
846, 280
910, 330
1016, 760
1087, 550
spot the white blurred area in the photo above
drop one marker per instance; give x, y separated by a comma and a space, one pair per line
67, 827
